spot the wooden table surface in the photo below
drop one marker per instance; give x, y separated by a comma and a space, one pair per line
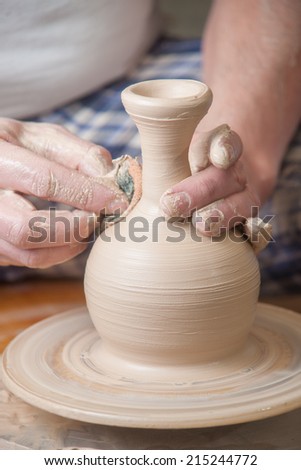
23, 426
25, 303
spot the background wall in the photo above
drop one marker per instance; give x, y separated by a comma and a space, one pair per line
184, 18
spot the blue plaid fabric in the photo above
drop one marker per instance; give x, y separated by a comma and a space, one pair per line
100, 117
280, 262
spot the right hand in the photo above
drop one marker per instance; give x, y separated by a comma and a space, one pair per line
49, 162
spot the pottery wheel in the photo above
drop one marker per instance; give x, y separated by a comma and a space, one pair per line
54, 365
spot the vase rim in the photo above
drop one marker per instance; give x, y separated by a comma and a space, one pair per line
167, 98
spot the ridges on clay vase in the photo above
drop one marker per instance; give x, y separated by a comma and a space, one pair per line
167, 305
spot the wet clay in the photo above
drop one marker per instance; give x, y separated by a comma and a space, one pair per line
56, 365
161, 297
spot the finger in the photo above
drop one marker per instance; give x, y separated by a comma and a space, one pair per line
40, 258
58, 144
23, 171
220, 146
13, 201
4, 261
55, 228
41, 229
225, 149
23, 226
259, 233
201, 189
226, 213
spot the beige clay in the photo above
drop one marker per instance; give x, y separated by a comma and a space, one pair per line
174, 346
160, 303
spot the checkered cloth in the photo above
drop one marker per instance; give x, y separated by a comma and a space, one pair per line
280, 262
100, 117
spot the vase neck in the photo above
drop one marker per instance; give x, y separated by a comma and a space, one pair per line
166, 113
164, 148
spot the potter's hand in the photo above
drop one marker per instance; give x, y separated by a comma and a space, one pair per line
218, 193
47, 161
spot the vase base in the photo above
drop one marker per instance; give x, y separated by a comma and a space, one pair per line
58, 365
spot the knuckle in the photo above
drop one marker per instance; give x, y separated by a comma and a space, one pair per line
85, 197
77, 191
208, 189
10, 130
49, 130
55, 128
17, 235
44, 184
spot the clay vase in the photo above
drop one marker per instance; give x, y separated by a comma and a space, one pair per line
166, 303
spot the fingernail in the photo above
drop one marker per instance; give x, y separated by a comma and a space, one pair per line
208, 221
88, 221
198, 157
225, 149
117, 205
259, 233
176, 204
96, 165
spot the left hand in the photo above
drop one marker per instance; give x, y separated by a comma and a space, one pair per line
47, 162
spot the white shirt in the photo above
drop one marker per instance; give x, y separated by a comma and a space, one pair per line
54, 51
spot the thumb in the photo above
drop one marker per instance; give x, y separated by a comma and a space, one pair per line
220, 146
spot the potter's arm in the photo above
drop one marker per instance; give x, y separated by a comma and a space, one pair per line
252, 62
